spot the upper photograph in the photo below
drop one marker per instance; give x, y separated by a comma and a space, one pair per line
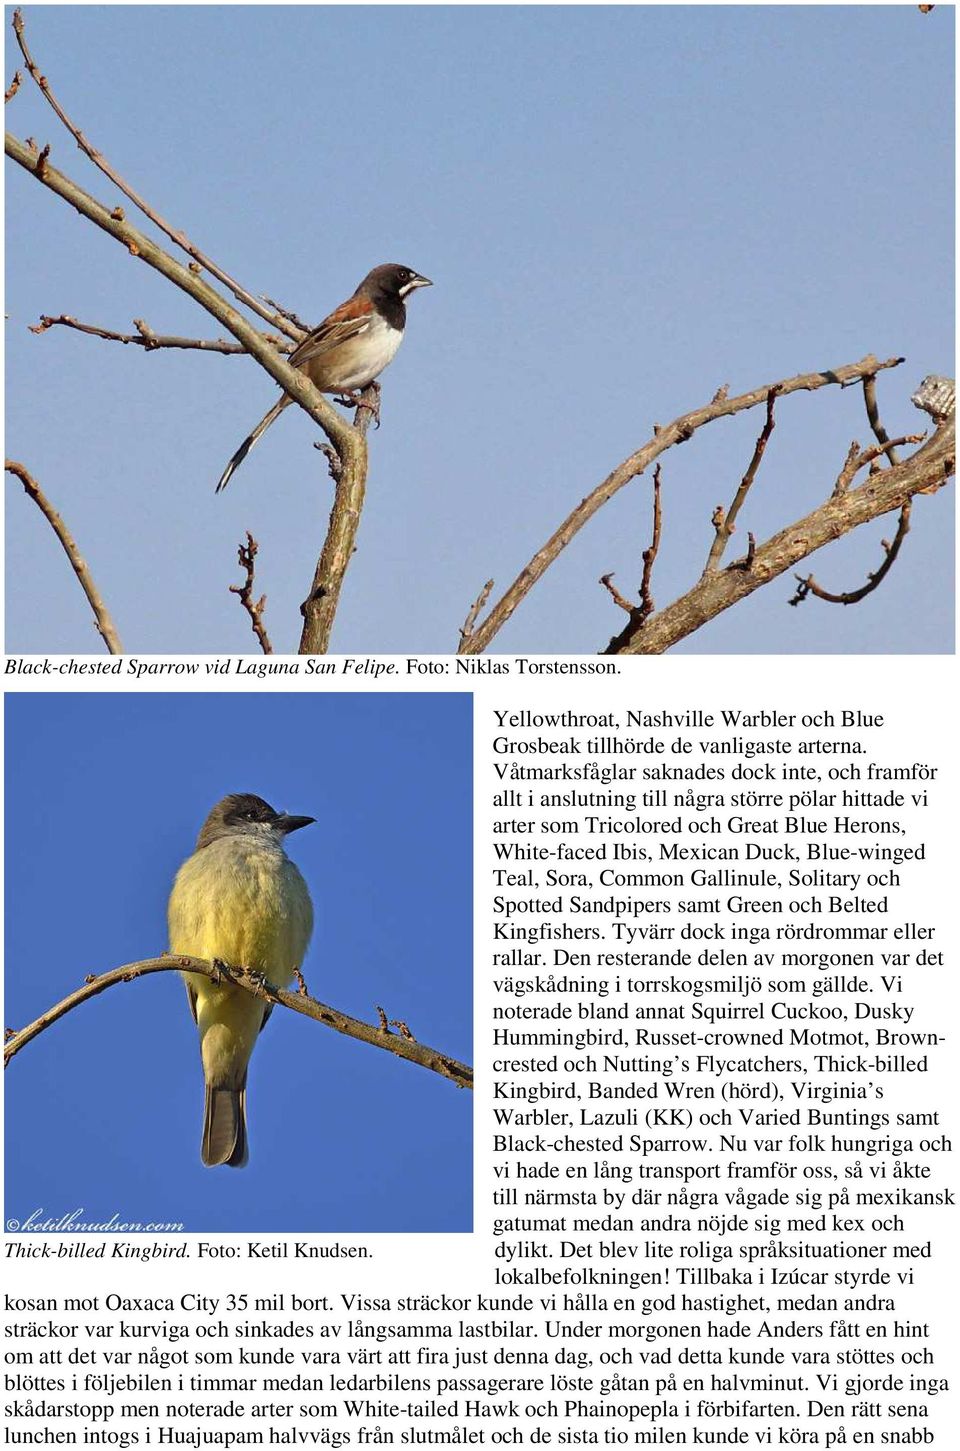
478, 330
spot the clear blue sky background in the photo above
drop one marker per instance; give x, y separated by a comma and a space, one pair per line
104, 799
622, 209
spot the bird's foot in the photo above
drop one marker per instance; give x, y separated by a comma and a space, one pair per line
355, 399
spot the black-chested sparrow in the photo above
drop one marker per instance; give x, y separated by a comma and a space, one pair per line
351, 347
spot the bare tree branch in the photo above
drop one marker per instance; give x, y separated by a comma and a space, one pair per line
678, 431
319, 609
256, 984
926, 470
650, 555
298, 322
724, 523
13, 87
349, 441
297, 384
246, 554
873, 414
746, 562
620, 600
101, 614
467, 627
640, 612
179, 238
855, 460
809, 585
145, 337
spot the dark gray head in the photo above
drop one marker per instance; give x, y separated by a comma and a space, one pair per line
391, 283
248, 816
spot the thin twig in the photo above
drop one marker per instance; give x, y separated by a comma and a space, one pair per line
808, 586
466, 628
873, 414
650, 555
724, 523
13, 87
255, 983
179, 238
665, 437
144, 337
855, 460
287, 313
639, 612
246, 556
101, 614
746, 562
618, 599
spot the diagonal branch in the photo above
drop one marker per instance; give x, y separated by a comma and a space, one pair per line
678, 431
650, 554
926, 470
297, 321
466, 629
277, 320
140, 246
145, 337
101, 614
349, 441
873, 414
255, 983
724, 523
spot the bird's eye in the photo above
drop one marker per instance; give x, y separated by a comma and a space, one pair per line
250, 815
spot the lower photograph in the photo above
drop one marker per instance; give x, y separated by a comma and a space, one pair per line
239, 963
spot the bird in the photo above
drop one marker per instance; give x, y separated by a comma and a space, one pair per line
238, 900
349, 348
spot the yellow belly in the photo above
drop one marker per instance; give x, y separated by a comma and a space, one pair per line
248, 907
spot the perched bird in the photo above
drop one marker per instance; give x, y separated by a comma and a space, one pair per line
350, 348
241, 901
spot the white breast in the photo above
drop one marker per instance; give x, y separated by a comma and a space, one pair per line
365, 356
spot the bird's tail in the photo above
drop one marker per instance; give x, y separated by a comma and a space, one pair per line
251, 439
225, 1126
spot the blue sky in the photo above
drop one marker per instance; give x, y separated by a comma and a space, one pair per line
622, 209
104, 799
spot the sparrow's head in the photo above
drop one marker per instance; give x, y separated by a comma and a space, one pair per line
248, 816
391, 281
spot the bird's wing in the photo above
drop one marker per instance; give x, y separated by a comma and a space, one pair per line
267, 1011
192, 999
347, 321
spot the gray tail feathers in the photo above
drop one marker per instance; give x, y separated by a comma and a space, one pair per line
251, 439
225, 1126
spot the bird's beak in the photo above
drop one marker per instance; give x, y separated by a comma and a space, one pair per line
419, 281
287, 823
